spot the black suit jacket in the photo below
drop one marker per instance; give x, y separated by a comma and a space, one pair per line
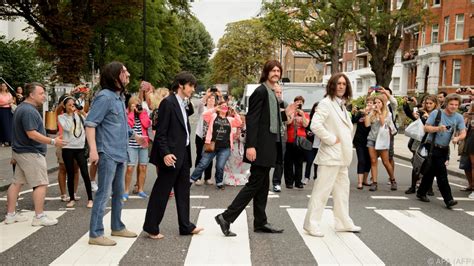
170, 137
258, 129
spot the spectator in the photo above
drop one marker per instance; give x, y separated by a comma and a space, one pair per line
236, 172
6, 115
360, 142
378, 118
294, 156
107, 133
19, 95
74, 151
139, 121
207, 102
278, 171
467, 152
29, 150
441, 98
221, 120
310, 155
450, 122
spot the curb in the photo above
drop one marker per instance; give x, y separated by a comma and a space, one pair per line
4, 187
450, 172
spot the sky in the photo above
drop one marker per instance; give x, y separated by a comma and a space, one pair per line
215, 14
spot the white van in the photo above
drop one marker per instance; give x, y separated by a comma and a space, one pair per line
311, 92
249, 89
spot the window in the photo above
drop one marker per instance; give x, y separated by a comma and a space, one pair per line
459, 30
359, 85
436, 2
423, 36
396, 84
399, 4
446, 28
360, 63
348, 66
443, 75
456, 72
350, 46
434, 33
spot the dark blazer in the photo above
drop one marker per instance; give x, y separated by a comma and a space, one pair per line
258, 129
170, 137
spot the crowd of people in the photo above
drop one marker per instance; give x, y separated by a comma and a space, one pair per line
119, 134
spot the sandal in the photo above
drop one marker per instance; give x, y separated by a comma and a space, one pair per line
373, 186
366, 184
90, 204
360, 186
64, 198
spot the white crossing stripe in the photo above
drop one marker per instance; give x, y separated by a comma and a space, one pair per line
225, 250
470, 213
11, 234
458, 199
82, 253
437, 237
198, 197
389, 197
334, 248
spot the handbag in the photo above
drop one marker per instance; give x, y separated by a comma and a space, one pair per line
415, 130
210, 147
383, 138
302, 142
421, 161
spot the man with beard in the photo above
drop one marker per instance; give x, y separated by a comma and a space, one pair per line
107, 133
264, 136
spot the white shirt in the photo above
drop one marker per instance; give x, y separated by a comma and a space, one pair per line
182, 105
75, 136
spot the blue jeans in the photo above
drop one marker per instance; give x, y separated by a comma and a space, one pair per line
111, 182
222, 155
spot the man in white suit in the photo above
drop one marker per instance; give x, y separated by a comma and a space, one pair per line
332, 124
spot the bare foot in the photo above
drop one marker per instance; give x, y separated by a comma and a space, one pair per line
90, 204
197, 230
156, 237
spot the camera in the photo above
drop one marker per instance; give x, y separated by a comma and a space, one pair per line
448, 127
410, 99
139, 107
213, 89
300, 106
78, 107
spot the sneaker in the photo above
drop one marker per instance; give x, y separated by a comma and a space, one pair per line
125, 197
124, 233
451, 203
44, 221
221, 187
305, 181
354, 229
209, 182
76, 197
15, 218
411, 190
276, 188
373, 186
101, 241
142, 194
471, 196
393, 186
94, 186
199, 182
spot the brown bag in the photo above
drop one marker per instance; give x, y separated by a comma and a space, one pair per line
210, 147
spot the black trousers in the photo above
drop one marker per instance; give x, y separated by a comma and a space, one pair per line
293, 169
69, 155
309, 158
256, 189
363, 159
199, 147
438, 169
278, 172
169, 178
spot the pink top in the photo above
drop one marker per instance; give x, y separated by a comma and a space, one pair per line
5, 99
144, 119
210, 115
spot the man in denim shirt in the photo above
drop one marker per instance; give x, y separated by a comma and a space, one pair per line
107, 133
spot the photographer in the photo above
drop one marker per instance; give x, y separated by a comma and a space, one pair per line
139, 121
294, 156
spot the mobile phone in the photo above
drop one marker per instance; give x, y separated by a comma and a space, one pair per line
415, 109
448, 127
214, 89
375, 88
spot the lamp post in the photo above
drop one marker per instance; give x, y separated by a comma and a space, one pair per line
144, 40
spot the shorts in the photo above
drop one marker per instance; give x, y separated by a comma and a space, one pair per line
370, 143
465, 163
59, 155
31, 168
137, 155
391, 152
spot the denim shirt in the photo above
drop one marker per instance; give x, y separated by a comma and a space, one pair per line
108, 116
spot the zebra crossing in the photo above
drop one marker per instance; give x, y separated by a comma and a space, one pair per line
211, 247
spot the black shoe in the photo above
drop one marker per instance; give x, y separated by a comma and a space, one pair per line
225, 226
289, 186
411, 190
451, 203
268, 228
422, 198
300, 186
430, 192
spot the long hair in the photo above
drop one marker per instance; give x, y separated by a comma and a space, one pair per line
110, 77
384, 105
182, 79
331, 88
269, 65
432, 98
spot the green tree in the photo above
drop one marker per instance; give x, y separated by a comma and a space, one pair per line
19, 63
196, 45
314, 27
242, 51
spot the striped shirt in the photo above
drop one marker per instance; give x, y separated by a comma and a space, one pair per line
137, 128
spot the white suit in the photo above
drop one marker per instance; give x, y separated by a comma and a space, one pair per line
329, 123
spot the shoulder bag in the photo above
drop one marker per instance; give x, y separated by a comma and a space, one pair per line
422, 158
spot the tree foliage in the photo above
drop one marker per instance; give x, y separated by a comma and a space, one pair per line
314, 27
19, 63
242, 51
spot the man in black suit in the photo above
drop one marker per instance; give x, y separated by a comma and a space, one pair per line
264, 135
171, 153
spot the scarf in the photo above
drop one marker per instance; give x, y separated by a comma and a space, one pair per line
275, 117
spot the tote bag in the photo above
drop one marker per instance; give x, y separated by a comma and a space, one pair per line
383, 138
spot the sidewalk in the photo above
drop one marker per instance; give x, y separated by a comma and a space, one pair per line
401, 152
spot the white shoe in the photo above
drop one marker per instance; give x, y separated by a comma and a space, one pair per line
209, 182
199, 182
94, 186
44, 221
64, 198
471, 196
354, 229
16, 218
316, 233
305, 181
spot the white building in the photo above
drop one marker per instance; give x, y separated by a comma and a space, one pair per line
16, 29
